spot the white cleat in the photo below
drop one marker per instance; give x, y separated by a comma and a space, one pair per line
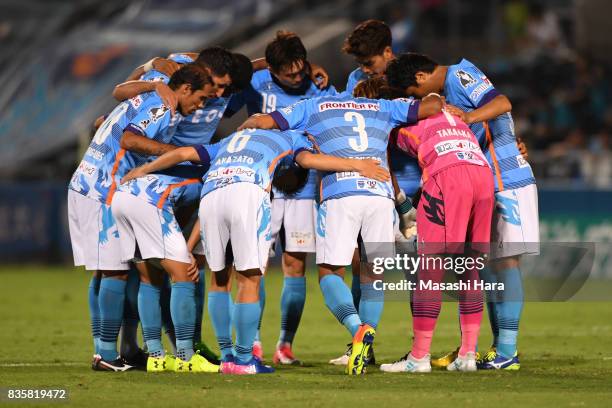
408, 364
465, 363
343, 359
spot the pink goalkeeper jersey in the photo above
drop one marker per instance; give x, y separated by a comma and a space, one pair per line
438, 142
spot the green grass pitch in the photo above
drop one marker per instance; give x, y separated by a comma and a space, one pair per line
45, 342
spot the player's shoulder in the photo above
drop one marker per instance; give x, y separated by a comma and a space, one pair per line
180, 58
357, 75
261, 79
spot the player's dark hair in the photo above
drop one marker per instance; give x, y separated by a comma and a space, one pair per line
377, 88
401, 72
289, 177
241, 73
285, 50
192, 74
369, 38
219, 60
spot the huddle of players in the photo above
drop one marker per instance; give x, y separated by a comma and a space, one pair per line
121, 209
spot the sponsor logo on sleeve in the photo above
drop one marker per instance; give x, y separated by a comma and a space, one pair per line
465, 78
136, 101
480, 89
158, 112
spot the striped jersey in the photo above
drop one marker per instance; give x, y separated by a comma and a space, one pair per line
468, 88
105, 162
266, 94
349, 127
249, 156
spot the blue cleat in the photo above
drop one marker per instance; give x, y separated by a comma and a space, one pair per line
501, 363
255, 366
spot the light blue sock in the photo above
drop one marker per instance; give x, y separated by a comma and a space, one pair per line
293, 298
356, 291
183, 311
246, 317
111, 299
219, 310
94, 311
371, 304
509, 311
488, 276
340, 302
150, 317
262, 305
129, 329
166, 292
200, 289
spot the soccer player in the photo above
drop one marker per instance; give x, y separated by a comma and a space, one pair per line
455, 207
350, 205
515, 220
144, 209
230, 74
134, 130
285, 82
370, 44
235, 216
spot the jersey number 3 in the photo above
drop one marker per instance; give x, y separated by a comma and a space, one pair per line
360, 145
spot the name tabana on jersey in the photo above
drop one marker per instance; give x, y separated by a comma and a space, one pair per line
348, 105
406, 285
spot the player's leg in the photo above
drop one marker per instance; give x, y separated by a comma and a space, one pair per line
299, 239
151, 281
515, 224
128, 347
94, 310
251, 238
220, 311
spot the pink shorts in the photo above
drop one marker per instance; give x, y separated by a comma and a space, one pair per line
456, 207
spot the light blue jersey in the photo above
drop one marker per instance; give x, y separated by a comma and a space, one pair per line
105, 162
249, 156
178, 187
468, 88
200, 126
405, 168
266, 95
350, 127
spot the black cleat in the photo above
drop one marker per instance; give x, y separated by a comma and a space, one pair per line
137, 360
116, 365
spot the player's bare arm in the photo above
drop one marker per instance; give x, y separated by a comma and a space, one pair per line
164, 161
497, 106
259, 121
130, 89
194, 238
143, 145
367, 168
430, 105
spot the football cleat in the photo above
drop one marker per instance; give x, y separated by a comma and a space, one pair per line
283, 355
202, 349
445, 360
255, 366
138, 360
502, 363
227, 365
156, 364
170, 361
408, 364
94, 361
343, 359
196, 364
463, 363
116, 365
258, 350
362, 341
488, 357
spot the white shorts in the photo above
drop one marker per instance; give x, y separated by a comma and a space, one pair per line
153, 231
516, 227
298, 219
340, 221
94, 234
238, 214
